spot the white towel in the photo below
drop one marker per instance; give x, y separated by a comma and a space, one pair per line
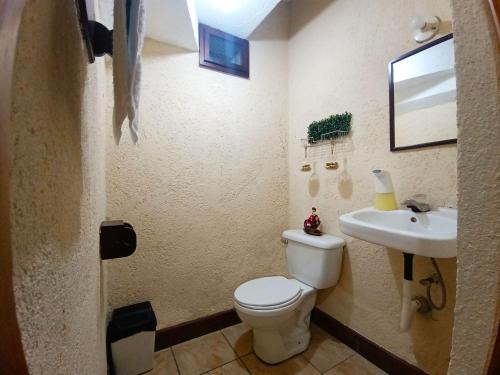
127, 46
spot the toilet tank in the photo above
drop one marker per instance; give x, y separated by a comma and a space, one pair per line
314, 260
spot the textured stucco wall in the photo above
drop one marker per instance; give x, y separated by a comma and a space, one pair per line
206, 187
58, 193
478, 278
338, 56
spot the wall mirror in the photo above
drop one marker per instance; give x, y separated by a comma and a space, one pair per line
422, 96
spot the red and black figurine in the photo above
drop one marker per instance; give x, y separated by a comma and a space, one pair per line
311, 224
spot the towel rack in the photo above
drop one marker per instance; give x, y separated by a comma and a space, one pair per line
98, 39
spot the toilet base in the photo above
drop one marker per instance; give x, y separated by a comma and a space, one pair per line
272, 348
290, 338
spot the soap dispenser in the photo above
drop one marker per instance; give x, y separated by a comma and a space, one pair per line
385, 200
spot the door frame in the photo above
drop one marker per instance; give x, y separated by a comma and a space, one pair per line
12, 359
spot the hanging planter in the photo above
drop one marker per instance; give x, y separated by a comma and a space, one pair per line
332, 127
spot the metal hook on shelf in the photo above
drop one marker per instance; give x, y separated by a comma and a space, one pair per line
332, 165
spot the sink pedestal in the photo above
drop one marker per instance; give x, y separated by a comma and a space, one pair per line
408, 307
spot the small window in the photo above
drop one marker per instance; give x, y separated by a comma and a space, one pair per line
223, 52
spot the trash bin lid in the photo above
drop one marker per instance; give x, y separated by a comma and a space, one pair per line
129, 320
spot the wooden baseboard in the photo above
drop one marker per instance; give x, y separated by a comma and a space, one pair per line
382, 358
169, 336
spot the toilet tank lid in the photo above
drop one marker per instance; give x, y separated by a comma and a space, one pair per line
326, 241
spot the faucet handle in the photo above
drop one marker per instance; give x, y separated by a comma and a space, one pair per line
416, 206
407, 202
415, 199
420, 197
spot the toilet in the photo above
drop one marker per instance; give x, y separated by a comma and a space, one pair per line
278, 309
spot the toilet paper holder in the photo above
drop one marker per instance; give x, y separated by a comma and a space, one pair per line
117, 239
97, 38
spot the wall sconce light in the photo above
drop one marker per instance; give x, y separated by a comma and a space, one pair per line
424, 28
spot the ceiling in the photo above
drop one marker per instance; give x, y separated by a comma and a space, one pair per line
237, 17
173, 21
176, 21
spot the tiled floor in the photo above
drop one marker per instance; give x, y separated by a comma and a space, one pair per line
229, 352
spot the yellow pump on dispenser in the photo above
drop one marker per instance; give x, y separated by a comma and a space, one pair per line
384, 200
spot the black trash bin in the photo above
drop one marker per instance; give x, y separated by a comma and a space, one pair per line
131, 339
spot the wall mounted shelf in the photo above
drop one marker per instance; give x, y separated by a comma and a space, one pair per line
327, 139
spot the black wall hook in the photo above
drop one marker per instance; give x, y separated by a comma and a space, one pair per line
97, 37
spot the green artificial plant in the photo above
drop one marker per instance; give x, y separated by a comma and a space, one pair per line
331, 127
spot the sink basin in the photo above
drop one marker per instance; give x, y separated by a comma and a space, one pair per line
431, 234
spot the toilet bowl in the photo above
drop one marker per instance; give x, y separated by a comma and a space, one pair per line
278, 309
280, 322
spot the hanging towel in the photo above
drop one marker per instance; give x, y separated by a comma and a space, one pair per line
128, 39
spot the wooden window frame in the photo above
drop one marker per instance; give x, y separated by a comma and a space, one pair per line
243, 70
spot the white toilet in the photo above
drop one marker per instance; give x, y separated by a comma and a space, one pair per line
278, 309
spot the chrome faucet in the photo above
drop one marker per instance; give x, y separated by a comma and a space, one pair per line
416, 206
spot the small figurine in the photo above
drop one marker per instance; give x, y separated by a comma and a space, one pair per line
311, 224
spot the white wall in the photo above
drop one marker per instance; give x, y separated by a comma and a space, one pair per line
338, 56
206, 187
58, 193
478, 277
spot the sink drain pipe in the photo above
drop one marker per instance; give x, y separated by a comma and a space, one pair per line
408, 306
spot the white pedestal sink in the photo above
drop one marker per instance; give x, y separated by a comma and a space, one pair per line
431, 234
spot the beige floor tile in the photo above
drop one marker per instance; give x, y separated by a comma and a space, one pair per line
356, 365
232, 368
203, 354
325, 351
164, 363
240, 338
293, 366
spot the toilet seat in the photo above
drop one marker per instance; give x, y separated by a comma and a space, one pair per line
268, 293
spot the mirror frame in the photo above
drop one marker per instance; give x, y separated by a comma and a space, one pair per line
391, 100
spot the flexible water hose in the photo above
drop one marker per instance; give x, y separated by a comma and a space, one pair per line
443, 288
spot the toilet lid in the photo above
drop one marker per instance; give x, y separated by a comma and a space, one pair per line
267, 292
